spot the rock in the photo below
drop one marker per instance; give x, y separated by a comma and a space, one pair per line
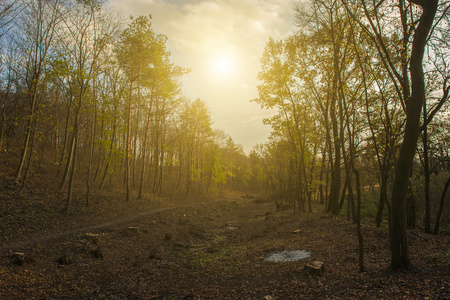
314, 268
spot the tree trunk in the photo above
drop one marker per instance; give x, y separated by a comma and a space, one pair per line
358, 222
144, 150
72, 164
28, 132
427, 173
3, 109
128, 141
441, 207
91, 149
66, 138
30, 159
69, 159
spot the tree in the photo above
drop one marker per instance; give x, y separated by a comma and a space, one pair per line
134, 55
40, 21
10, 76
195, 122
83, 39
399, 247
410, 89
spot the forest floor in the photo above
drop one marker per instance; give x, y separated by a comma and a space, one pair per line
198, 248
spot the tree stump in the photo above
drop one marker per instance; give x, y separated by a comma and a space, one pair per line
65, 260
132, 231
18, 258
97, 253
93, 237
314, 268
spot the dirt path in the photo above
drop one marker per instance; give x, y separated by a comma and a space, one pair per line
43, 238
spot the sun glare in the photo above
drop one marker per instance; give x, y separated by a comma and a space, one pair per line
222, 65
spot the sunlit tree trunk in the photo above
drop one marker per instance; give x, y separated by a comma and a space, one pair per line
128, 144
144, 148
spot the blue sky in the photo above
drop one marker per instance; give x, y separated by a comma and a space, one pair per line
222, 42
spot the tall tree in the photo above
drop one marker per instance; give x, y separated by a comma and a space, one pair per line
39, 24
134, 56
399, 246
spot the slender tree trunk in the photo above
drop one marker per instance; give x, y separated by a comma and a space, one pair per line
135, 140
66, 138
358, 222
144, 149
91, 150
71, 183
441, 207
188, 184
127, 146
161, 164
3, 113
69, 161
180, 169
427, 173
72, 164
111, 146
28, 132
29, 160
108, 161
100, 160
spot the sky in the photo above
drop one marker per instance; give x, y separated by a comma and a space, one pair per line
221, 41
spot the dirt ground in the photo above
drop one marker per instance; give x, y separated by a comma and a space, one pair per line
199, 248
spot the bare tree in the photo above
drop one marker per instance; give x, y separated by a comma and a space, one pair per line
40, 21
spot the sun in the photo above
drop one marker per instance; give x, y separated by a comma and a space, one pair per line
222, 65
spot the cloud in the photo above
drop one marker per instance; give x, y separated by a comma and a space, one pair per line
217, 24
194, 23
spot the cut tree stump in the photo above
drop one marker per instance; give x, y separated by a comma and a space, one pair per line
65, 260
18, 258
93, 237
314, 268
132, 231
97, 253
